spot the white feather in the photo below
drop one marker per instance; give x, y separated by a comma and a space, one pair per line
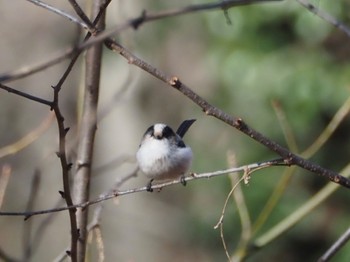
161, 158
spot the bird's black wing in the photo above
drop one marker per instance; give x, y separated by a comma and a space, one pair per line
185, 125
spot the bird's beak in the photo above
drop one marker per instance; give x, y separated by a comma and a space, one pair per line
157, 134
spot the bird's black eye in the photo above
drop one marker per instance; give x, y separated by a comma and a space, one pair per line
168, 132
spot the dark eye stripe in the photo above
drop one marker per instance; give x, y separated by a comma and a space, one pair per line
168, 132
149, 131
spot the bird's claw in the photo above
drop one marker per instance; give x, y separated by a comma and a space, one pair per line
149, 186
183, 180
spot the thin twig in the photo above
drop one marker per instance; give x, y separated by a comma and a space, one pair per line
131, 23
236, 122
95, 221
30, 70
283, 182
75, 233
224, 5
66, 194
342, 240
240, 202
25, 95
81, 14
338, 117
325, 16
221, 219
61, 257
76, 52
245, 224
300, 213
27, 232
59, 12
117, 193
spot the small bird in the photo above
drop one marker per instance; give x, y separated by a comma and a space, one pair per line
163, 155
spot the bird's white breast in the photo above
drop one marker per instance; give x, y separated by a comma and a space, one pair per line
159, 160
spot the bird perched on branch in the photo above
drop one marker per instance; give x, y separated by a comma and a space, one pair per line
163, 155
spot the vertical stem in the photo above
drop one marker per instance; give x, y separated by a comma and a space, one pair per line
87, 133
62, 131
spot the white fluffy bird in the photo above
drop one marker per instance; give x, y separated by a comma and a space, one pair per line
162, 154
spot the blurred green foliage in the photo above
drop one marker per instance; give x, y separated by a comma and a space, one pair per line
281, 52
277, 51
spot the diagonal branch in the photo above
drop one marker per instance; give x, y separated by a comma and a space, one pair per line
26, 95
59, 12
81, 14
325, 16
224, 5
131, 23
341, 241
298, 214
238, 123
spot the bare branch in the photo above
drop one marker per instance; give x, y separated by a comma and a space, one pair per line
245, 221
27, 232
240, 202
29, 70
115, 193
298, 214
235, 122
62, 130
77, 51
224, 5
59, 12
131, 23
75, 232
221, 219
86, 143
339, 116
325, 16
81, 14
88, 127
25, 95
342, 240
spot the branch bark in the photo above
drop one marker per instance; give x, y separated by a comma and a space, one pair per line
66, 194
236, 122
87, 133
112, 193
